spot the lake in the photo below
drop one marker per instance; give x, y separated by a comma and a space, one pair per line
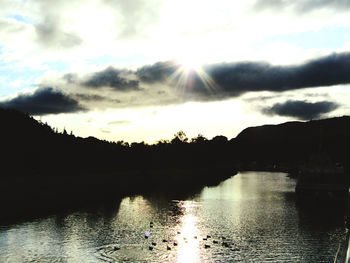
251, 217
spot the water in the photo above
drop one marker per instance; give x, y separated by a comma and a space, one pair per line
251, 217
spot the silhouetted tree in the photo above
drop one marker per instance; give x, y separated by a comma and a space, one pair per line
219, 139
179, 137
199, 139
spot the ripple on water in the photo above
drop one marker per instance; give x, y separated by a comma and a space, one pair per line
252, 217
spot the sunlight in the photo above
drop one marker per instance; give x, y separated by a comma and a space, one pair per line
189, 63
95, 24
189, 240
190, 55
191, 75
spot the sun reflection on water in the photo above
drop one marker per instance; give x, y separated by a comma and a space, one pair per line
189, 237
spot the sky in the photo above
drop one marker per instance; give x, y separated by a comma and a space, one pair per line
142, 70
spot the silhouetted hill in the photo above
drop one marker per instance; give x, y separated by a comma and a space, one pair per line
295, 142
31, 146
43, 168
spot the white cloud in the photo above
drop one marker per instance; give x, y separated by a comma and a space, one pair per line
155, 30
37, 34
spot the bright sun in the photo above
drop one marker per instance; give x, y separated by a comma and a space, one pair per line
191, 73
190, 64
189, 60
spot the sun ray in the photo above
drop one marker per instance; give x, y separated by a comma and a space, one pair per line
208, 81
189, 77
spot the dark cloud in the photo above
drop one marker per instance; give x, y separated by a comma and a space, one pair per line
301, 6
167, 83
43, 101
235, 79
113, 78
158, 72
90, 97
231, 79
94, 98
301, 109
127, 80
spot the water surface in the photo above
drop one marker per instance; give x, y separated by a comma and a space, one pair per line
251, 217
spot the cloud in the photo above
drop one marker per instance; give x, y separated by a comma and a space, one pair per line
158, 72
90, 97
12, 32
301, 109
234, 79
43, 101
167, 83
133, 17
50, 28
127, 80
238, 78
113, 78
119, 123
105, 130
301, 6
49, 34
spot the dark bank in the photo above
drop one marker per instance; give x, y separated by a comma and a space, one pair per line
44, 171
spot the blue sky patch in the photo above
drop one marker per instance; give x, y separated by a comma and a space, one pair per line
329, 37
10, 75
20, 18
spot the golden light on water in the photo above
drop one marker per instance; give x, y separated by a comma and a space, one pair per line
189, 239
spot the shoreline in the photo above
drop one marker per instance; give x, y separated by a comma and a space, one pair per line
35, 196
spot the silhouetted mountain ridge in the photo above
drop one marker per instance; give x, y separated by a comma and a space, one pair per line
295, 142
36, 146
43, 169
